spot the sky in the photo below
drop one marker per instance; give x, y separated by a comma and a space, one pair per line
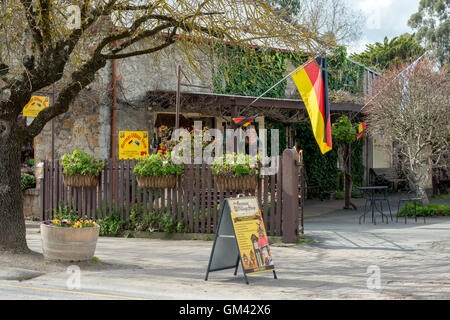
383, 18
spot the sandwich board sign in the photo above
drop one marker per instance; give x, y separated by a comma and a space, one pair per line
133, 144
241, 237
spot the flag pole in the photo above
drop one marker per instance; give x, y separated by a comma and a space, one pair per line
276, 84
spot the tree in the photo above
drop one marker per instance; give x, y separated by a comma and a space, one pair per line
47, 42
433, 27
333, 19
345, 134
390, 53
412, 112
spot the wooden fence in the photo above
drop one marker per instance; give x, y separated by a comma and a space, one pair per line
195, 200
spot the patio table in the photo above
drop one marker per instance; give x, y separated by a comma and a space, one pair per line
370, 194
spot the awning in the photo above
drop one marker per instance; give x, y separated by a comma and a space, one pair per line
168, 119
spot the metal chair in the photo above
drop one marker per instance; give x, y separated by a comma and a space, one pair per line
384, 197
410, 198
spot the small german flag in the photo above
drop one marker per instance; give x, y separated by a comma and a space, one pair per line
243, 122
361, 129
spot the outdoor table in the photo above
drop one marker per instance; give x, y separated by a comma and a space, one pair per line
370, 193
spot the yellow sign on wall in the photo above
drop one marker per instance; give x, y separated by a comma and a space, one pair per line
133, 144
35, 105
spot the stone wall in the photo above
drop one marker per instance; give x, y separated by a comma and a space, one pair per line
78, 128
86, 125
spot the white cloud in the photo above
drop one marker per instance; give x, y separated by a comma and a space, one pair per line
385, 18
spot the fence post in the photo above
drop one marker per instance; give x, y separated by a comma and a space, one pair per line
290, 207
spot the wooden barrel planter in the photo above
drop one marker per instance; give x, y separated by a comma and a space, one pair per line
81, 180
69, 244
157, 182
236, 183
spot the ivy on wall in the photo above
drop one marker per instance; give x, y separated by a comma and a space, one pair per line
322, 170
344, 74
252, 73
249, 74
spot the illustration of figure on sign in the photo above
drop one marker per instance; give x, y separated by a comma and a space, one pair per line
253, 262
246, 261
263, 245
258, 255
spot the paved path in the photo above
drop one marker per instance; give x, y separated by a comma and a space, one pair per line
412, 261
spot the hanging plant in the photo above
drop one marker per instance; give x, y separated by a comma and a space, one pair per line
81, 169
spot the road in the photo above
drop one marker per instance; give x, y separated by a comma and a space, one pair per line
343, 260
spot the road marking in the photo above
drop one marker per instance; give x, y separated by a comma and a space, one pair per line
73, 292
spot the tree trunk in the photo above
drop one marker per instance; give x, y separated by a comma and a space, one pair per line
348, 177
12, 222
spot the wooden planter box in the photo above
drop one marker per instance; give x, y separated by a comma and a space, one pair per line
69, 244
81, 180
241, 183
157, 182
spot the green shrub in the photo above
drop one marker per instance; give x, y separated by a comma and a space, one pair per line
157, 165
27, 181
79, 162
64, 212
140, 221
434, 209
112, 225
340, 195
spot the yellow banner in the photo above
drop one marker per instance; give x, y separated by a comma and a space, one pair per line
133, 144
35, 105
251, 235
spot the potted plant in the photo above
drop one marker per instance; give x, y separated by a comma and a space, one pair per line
81, 169
69, 239
157, 172
235, 172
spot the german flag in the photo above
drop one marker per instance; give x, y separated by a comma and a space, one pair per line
243, 122
312, 83
361, 129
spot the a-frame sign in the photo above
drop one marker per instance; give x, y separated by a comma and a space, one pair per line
241, 237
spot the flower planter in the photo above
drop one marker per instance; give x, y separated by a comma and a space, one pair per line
69, 244
81, 180
236, 183
157, 182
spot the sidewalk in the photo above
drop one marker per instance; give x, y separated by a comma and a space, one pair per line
339, 262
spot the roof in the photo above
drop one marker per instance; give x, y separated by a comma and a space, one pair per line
206, 98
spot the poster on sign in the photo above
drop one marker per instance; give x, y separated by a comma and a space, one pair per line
133, 144
35, 105
241, 238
